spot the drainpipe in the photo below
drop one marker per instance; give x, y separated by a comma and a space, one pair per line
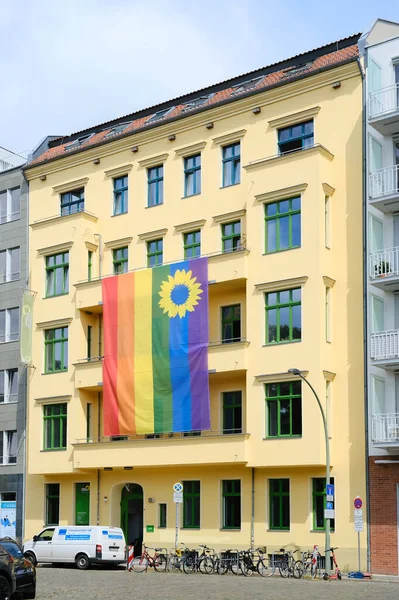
365, 299
98, 470
253, 510
100, 251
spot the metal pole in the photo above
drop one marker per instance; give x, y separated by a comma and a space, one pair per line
323, 416
253, 511
177, 525
358, 550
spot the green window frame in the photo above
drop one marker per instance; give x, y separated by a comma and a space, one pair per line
162, 516
283, 316
155, 253
279, 504
231, 323
192, 175
89, 340
319, 503
88, 421
231, 236
57, 274
231, 160
120, 205
231, 504
284, 409
191, 504
56, 350
52, 503
232, 412
120, 258
283, 225
155, 185
295, 137
192, 244
72, 202
55, 426
89, 264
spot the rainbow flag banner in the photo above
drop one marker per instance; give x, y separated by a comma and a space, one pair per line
155, 368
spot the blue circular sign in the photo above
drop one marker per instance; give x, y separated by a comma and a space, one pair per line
178, 487
358, 503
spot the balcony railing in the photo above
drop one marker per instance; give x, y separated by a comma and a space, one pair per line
384, 263
383, 101
385, 428
114, 439
384, 182
385, 345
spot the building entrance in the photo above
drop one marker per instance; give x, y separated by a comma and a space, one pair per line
132, 515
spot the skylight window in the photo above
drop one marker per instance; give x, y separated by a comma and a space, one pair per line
78, 142
118, 128
297, 69
159, 115
246, 85
197, 102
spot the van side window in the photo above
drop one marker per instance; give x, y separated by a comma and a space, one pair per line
46, 535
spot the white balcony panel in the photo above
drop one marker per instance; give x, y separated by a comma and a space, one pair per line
384, 109
384, 183
385, 429
385, 346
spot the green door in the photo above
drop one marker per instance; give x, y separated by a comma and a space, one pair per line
132, 513
82, 503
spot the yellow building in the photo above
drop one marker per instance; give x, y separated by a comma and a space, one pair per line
262, 174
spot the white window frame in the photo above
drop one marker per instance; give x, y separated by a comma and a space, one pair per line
9, 276
7, 332
6, 375
11, 216
7, 440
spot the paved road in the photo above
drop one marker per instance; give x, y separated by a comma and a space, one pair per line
68, 583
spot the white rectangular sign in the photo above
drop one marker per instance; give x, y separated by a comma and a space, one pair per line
178, 497
358, 519
329, 513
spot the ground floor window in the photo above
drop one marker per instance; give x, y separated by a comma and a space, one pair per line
279, 503
191, 504
162, 516
231, 504
52, 503
319, 503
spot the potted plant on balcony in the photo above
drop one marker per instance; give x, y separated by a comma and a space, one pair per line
382, 268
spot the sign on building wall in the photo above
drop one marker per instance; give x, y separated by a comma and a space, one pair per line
8, 518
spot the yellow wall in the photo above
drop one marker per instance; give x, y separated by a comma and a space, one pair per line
336, 167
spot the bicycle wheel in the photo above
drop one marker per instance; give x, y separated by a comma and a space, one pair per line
160, 563
206, 565
221, 566
140, 564
174, 563
298, 569
246, 568
264, 569
188, 565
284, 570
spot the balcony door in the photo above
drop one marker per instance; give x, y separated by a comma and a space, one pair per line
376, 234
377, 314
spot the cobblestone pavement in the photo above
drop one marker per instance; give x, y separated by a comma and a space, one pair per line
67, 583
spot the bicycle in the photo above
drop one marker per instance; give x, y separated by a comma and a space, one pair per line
337, 572
175, 558
309, 564
288, 566
228, 560
193, 561
159, 561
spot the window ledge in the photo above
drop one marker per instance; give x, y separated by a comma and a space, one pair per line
230, 529
272, 344
55, 372
9, 342
10, 280
189, 528
282, 437
82, 214
55, 296
119, 214
272, 252
191, 196
270, 160
223, 187
53, 450
154, 205
278, 530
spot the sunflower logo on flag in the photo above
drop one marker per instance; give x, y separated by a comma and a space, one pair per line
180, 294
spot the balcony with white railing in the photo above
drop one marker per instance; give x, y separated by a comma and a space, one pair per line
384, 348
384, 269
384, 109
385, 429
384, 189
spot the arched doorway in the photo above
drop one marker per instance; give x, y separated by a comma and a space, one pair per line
132, 514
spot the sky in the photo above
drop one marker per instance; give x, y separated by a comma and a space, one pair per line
69, 64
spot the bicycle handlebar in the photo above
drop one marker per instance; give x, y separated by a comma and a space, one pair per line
332, 549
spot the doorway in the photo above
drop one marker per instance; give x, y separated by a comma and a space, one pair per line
132, 514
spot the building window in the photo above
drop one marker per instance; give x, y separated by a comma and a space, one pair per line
89, 264
120, 260
192, 244
284, 409
10, 205
231, 236
231, 504
9, 265
8, 386
8, 447
191, 504
279, 504
56, 350
296, 137
283, 225
57, 274
231, 164
52, 503
283, 316
89, 340
231, 323
327, 218
328, 314
319, 503
9, 325
162, 520
55, 426
155, 253
232, 412
120, 195
159, 115
192, 175
88, 421
155, 185
72, 202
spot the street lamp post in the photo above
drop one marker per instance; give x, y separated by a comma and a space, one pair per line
298, 373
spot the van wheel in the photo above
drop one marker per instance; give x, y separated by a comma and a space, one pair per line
5, 589
82, 561
30, 556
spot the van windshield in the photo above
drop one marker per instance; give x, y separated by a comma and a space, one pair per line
46, 535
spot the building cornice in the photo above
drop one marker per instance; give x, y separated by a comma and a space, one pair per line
152, 235
282, 284
232, 136
54, 323
231, 216
271, 160
282, 194
186, 227
292, 118
278, 377
123, 170
328, 189
70, 185
83, 214
192, 149
215, 114
328, 282
53, 399
329, 375
119, 243
153, 161
58, 248
90, 246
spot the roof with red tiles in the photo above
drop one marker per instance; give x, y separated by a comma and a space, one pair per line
281, 73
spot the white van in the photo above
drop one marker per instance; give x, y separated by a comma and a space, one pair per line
82, 545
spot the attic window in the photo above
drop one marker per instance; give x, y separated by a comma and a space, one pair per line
297, 69
118, 128
159, 115
78, 142
246, 85
196, 102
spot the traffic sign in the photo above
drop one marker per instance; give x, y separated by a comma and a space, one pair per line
330, 493
358, 519
329, 513
178, 487
358, 503
178, 497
